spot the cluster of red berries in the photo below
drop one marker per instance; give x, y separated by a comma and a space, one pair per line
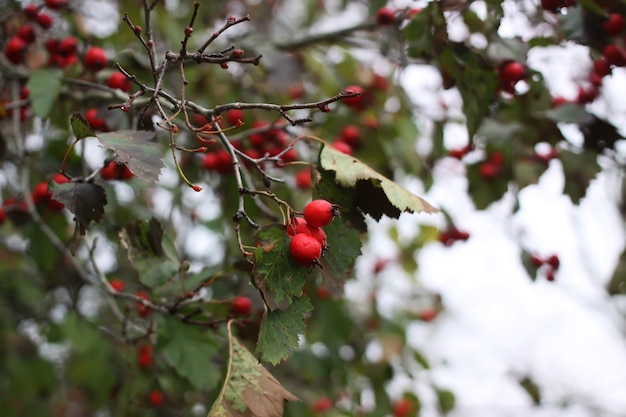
348, 140
365, 94
509, 74
308, 239
96, 122
492, 167
550, 265
452, 235
116, 171
42, 196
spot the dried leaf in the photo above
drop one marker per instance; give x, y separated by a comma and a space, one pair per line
137, 150
249, 390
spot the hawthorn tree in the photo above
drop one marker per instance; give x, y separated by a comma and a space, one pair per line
185, 197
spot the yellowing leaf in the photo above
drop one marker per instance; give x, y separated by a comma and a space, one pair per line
249, 390
352, 173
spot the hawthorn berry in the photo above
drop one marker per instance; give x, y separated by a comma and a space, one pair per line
342, 147
144, 356
3, 215
351, 135
26, 33
95, 59
356, 102
428, 315
509, 73
117, 284
31, 11
614, 24
241, 306
44, 20
385, 16
299, 225
56, 4
614, 55
401, 408
119, 81
554, 261
15, 50
602, 67
234, 117
142, 310
303, 179
41, 194
319, 213
156, 398
305, 249
95, 122
67, 46
322, 405
323, 292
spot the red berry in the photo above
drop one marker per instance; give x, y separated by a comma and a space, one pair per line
3, 215
241, 306
31, 11
355, 102
44, 20
234, 117
123, 173
95, 59
15, 50
305, 249
614, 24
323, 293
558, 100
60, 179
489, 170
385, 16
224, 162
614, 55
536, 261
322, 405
428, 315
142, 310
156, 398
342, 147
119, 81
510, 72
554, 261
299, 225
26, 33
601, 67
550, 275
94, 121
587, 94
144, 356
303, 179
68, 46
56, 4
401, 408
117, 284
319, 213
41, 194
351, 135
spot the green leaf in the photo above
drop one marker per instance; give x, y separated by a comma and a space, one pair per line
143, 241
617, 284
445, 400
579, 169
44, 85
86, 200
275, 274
80, 126
137, 150
280, 331
344, 243
569, 113
249, 390
532, 389
190, 350
419, 34
380, 194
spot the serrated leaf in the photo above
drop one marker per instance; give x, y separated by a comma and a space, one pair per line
249, 390
85, 200
137, 150
190, 350
44, 85
80, 126
379, 195
579, 169
344, 245
280, 331
275, 274
143, 241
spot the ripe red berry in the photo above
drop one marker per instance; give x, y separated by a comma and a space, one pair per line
322, 405
299, 225
550, 275
144, 356
119, 81
385, 16
554, 261
95, 122
67, 46
40, 194
60, 178
428, 315
342, 147
234, 117
303, 179
56, 4
15, 50
614, 24
319, 213
3, 215
305, 249
142, 310
31, 11
536, 261
351, 135
509, 73
156, 398
489, 170
355, 102
44, 20
27, 33
95, 59
241, 306
601, 67
401, 408
614, 55
117, 284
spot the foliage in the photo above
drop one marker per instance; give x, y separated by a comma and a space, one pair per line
162, 187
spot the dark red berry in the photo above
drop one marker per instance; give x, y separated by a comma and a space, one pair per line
554, 261
95, 59
119, 81
27, 33
56, 4
305, 249
385, 16
241, 306
614, 55
614, 24
320, 213
351, 135
15, 50
31, 11
44, 20
68, 46
156, 398
401, 408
